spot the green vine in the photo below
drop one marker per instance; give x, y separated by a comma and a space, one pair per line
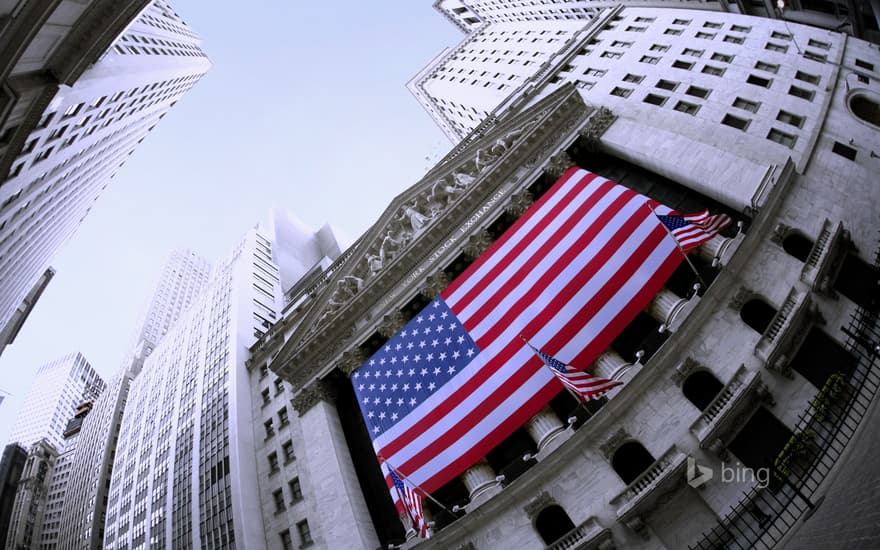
830, 392
799, 445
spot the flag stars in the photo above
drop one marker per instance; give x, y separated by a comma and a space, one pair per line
412, 372
418, 386
382, 361
398, 347
437, 370
376, 430
444, 315
451, 326
400, 402
442, 356
370, 414
393, 359
387, 373
412, 402
435, 342
427, 330
399, 373
387, 348
366, 400
439, 328
451, 370
456, 354
382, 387
424, 372
470, 352
381, 415
410, 345
417, 358
406, 387
431, 386
419, 319
360, 387
372, 387
460, 340
431, 317
393, 417
422, 344
393, 387
447, 341
376, 401
405, 359
430, 356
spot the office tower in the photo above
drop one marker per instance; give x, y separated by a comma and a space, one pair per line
507, 56
84, 84
30, 499
186, 475
81, 523
747, 363
21, 313
11, 466
58, 388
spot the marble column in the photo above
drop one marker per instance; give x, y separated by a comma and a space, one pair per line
717, 247
546, 430
481, 483
665, 305
608, 364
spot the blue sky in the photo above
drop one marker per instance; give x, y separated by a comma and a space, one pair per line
305, 108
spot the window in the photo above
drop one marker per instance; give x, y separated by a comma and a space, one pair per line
679, 64
692, 52
768, 67
636, 29
735, 122
296, 493
72, 110
264, 371
864, 64
621, 92
807, 77
636, 78
774, 47
696, 91
734, 39
279, 386
283, 419
685, 107
611, 55
585, 84
740, 28
821, 58
266, 398
724, 58
746, 105
287, 449
712, 25
782, 138
659, 48
673, 32
278, 497
305, 533
595, 72
790, 118
681, 22
655, 99
819, 44
801, 93
705, 35
620, 44
286, 541
844, 150
666, 85
651, 60
759, 81
644, 19
273, 462
270, 428
780, 35
714, 71
44, 154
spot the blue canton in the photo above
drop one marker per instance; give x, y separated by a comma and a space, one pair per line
416, 362
552, 362
673, 222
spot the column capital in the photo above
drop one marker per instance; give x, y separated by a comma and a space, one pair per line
434, 284
352, 359
558, 164
391, 323
477, 244
309, 396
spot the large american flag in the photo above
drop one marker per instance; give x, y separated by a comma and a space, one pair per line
588, 387
569, 275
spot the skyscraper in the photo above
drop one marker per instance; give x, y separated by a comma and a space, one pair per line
57, 390
81, 523
186, 474
85, 86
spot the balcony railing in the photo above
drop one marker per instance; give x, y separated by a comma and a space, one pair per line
589, 535
662, 476
717, 418
824, 257
774, 347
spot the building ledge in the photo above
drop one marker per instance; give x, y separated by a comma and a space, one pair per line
722, 414
825, 256
785, 331
641, 495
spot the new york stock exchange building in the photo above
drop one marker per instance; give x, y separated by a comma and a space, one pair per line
746, 368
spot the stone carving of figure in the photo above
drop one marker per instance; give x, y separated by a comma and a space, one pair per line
374, 263
485, 158
391, 245
463, 179
416, 219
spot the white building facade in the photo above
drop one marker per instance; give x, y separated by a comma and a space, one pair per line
63, 140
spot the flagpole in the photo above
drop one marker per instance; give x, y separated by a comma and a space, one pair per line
422, 491
678, 245
580, 399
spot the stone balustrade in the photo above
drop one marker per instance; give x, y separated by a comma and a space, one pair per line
785, 330
825, 257
588, 535
722, 413
662, 476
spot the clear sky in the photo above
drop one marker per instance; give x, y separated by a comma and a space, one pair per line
305, 108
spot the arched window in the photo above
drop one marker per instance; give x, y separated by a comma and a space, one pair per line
865, 108
757, 314
630, 460
553, 523
700, 388
795, 244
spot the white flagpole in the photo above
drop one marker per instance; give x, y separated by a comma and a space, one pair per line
678, 245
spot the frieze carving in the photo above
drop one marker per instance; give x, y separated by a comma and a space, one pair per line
684, 369
391, 323
779, 233
308, 397
435, 283
614, 442
352, 359
477, 244
740, 297
534, 506
558, 164
519, 203
599, 122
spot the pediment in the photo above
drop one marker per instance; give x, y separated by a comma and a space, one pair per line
417, 222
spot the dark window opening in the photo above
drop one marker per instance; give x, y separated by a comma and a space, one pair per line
757, 314
631, 460
761, 440
820, 356
701, 388
553, 523
797, 245
865, 109
860, 282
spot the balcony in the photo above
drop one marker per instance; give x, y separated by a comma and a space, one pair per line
589, 535
786, 329
720, 417
828, 250
641, 495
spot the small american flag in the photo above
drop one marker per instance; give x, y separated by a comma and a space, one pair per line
690, 230
412, 503
584, 385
